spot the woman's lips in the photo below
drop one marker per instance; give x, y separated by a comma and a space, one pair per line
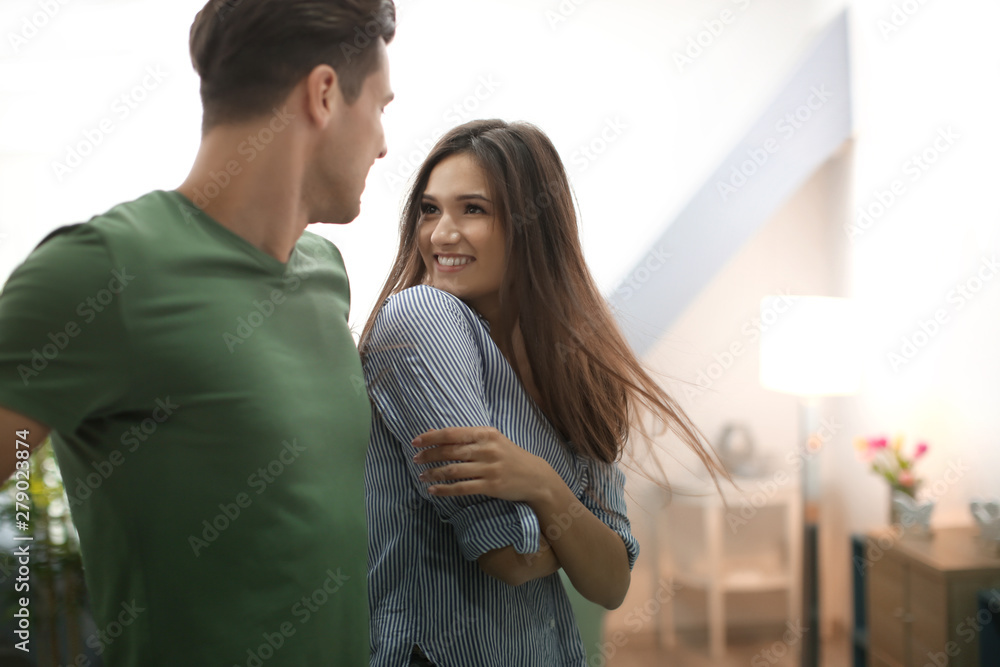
452, 263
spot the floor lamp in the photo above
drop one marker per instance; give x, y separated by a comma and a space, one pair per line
809, 347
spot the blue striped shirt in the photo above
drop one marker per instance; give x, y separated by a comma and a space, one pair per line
430, 363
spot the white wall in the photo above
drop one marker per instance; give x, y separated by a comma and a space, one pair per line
931, 76
929, 80
709, 360
570, 66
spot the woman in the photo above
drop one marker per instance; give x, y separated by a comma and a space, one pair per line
503, 394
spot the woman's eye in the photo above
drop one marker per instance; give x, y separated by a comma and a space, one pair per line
473, 209
428, 209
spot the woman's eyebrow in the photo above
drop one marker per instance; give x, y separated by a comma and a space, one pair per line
465, 197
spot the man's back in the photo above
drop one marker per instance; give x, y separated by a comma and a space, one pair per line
210, 421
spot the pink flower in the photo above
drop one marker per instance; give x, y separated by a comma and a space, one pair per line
921, 450
906, 478
878, 443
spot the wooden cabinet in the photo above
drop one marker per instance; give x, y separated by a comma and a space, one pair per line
922, 596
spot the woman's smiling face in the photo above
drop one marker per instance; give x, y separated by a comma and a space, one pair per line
459, 237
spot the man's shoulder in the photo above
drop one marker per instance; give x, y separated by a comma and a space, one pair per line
76, 255
316, 244
123, 220
76, 230
71, 251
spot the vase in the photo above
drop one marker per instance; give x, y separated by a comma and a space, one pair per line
908, 514
893, 510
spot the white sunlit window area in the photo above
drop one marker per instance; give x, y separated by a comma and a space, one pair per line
788, 206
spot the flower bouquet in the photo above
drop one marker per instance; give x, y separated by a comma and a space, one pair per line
888, 460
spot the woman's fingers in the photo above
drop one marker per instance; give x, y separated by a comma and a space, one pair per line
453, 471
454, 435
466, 488
446, 453
483, 461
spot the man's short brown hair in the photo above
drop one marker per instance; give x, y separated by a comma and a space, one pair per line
251, 53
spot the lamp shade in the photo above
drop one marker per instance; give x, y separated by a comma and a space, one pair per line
810, 345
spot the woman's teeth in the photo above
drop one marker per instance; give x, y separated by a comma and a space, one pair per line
454, 261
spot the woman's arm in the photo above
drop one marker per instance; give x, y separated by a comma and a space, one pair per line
515, 569
593, 556
424, 370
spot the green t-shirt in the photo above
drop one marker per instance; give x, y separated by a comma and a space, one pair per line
210, 420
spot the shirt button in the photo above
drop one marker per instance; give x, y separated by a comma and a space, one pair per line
552, 623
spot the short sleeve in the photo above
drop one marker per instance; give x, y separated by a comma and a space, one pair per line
604, 495
62, 344
424, 371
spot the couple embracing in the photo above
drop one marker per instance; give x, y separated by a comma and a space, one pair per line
408, 500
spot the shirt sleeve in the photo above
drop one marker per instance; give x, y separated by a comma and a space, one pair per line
61, 335
604, 495
424, 371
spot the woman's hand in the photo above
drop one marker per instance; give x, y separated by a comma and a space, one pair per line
486, 462
592, 555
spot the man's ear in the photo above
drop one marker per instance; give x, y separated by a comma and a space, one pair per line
323, 98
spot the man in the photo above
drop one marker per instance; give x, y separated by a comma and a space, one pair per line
190, 354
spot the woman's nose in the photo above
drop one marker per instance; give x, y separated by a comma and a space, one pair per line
445, 233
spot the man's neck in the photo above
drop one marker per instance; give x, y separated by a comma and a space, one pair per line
259, 197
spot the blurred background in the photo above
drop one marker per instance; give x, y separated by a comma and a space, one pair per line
722, 151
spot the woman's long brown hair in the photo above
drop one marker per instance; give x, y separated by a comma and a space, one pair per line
595, 387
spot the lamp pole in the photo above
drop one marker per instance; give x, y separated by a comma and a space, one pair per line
811, 349
810, 486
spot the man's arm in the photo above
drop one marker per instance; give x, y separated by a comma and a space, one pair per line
10, 424
40, 307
